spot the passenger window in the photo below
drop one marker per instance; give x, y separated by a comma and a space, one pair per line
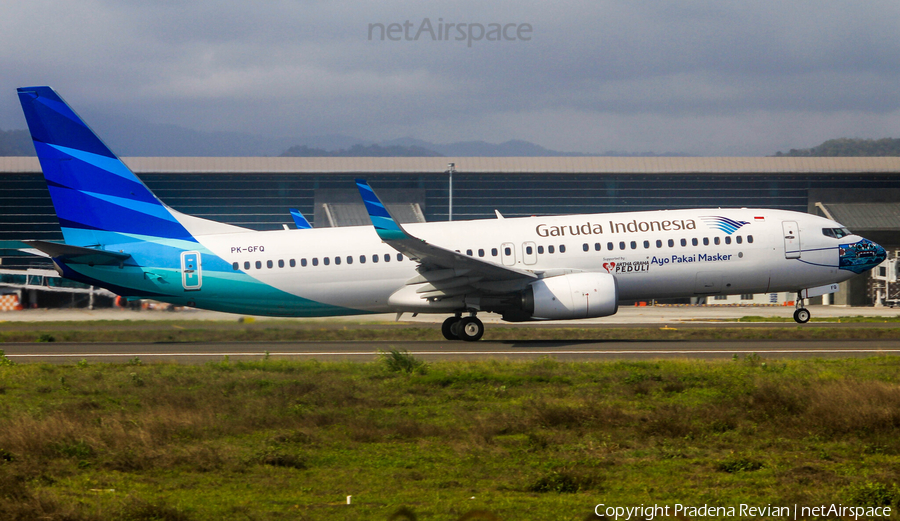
646, 244
349, 259
269, 264
234, 266
387, 257
493, 252
694, 241
258, 265
280, 263
326, 261
541, 250
609, 246
728, 239
315, 261
585, 247
481, 252
303, 262
716, 241
750, 239
375, 258
684, 242
633, 245
469, 253
671, 243
399, 257
562, 248
658, 243
550, 249
362, 259
529, 250
246, 265
337, 260
293, 263
706, 241
596, 246
621, 245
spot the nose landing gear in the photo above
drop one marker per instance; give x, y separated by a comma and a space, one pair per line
468, 328
801, 314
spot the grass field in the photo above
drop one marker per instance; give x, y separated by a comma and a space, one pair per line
323, 331
534, 440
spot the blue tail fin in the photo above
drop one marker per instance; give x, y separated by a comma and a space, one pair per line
97, 198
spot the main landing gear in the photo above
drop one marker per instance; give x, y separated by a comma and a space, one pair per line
801, 314
468, 328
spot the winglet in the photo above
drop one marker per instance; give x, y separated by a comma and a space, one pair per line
299, 220
385, 224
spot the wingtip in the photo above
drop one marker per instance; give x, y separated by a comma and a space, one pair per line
385, 225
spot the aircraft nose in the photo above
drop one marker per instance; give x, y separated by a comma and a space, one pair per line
880, 253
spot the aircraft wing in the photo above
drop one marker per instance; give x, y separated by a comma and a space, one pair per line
443, 264
77, 254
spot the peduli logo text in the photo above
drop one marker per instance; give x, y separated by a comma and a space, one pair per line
626, 267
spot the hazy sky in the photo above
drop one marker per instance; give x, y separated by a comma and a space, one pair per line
700, 77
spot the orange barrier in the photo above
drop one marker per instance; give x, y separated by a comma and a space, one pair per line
10, 303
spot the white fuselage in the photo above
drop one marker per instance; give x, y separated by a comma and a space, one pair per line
661, 254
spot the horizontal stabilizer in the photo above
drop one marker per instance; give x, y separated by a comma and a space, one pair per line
77, 254
13, 245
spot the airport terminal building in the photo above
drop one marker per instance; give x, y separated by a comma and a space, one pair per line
258, 192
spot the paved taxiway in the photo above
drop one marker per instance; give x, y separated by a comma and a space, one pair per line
575, 350
581, 350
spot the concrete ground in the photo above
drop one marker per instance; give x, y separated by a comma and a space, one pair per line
626, 315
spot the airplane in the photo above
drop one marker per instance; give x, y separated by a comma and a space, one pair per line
119, 235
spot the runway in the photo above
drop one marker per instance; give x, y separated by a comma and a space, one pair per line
367, 351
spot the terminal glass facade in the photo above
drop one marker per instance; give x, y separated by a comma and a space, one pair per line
262, 201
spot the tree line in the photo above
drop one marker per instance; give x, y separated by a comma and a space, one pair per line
846, 147
361, 151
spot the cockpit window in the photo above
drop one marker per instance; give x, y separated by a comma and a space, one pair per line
837, 233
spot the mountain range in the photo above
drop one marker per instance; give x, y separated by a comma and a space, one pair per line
127, 137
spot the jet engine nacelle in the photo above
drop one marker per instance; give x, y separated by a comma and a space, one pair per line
576, 295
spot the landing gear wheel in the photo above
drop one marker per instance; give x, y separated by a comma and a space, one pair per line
470, 329
454, 328
801, 316
448, 326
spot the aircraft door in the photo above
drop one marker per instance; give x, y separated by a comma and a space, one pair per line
529, 253
191, 276
791, 239
508, 253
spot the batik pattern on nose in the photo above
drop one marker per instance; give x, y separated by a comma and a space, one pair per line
861, 256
